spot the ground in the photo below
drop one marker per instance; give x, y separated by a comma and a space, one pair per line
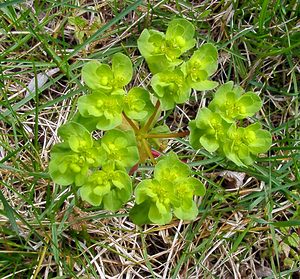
248, 222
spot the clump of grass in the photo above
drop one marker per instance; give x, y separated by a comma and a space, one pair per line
247, 228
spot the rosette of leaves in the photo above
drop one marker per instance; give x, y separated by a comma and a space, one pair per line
106, 109
162, 51
232, 103
120, 147
208, 130
71, 159
83, 28
171, 88
242, 145
170, 191
109, 186
137, 104
202, 64
106, 79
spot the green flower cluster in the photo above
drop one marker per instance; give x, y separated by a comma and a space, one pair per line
170, 191
104, 106
173, 78
71, 159
96, 166
110, 186
162, 51
215, 128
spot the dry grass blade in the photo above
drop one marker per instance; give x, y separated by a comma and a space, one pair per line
248, 223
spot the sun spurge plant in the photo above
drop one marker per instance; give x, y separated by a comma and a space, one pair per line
101, 167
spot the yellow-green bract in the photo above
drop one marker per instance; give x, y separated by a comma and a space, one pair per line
105, 108
232, 103
109, 186
162, 51
106, 79
171, 191
171, 88
97, 167
202, 65
72, 159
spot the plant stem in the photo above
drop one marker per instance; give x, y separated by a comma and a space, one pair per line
167, 136
148, 150
151, 118
131, 123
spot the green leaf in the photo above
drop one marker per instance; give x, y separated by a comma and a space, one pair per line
201, 66
179, 169
94, 156
143, 191
95, 188
179, 35
108, 186
138, 105
139, 213
171, 188
186, 214
71, 160
232, 103
195, 135
170, 88
210, 142
120, 147
107, 109
159, 192
105, 75
89, 123
154, 48
204, 85
59, 148
67, 168
150, 43
160, 63
233, 145
77, 136
244, 143
162, 51
115, 199
103, 78
248, 104
205, 59
198, 186
97, 76
159, 214
231, 155
210, 129
122, 70
184, 190
121, 179
257, 139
